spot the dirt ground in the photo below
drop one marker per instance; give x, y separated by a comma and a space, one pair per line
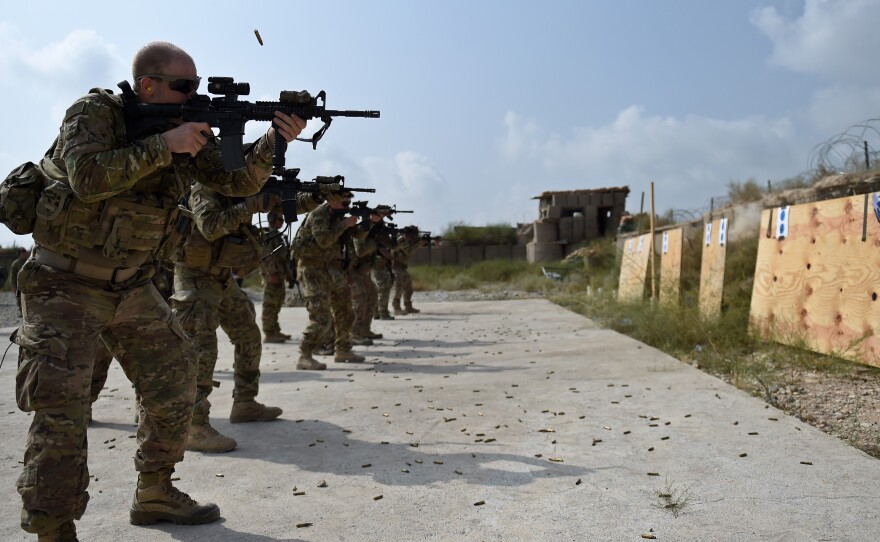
846, 406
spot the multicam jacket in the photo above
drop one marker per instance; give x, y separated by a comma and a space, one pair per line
319, 240
112, 200
224, 235
403, 251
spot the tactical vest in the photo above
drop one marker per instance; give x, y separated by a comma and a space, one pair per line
277, 259
307, 249
403, 251
242, 250
122, 231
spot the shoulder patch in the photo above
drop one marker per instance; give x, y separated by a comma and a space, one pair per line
75, 109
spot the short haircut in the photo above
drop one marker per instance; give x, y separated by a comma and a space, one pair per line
154, 57
22, 249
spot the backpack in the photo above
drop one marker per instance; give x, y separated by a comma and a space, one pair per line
22, 188
19, 193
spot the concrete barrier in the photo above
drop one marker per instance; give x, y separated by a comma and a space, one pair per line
543, 252
545, 232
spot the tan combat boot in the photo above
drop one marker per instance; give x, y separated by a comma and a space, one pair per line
155, 499
410, 309
308, 363
252, 411
275, 338
204, 438
385, 316
66, 532
395, 304
372, 335
349, 357
286, 335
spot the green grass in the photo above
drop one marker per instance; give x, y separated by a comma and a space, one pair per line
460, 234
492, 274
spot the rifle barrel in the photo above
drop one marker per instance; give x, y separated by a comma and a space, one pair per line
352, 113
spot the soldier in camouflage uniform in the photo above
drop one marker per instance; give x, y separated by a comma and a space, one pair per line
365, 300
277, 273
382, 277
357, 289
207, 297
318, 248
402, 252
103, 218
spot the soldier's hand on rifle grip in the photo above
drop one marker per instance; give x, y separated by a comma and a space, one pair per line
289, 126
188, 138
262, 203
351, 221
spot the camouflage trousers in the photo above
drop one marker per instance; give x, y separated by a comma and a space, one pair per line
402, 286
383, 279
273, 299
163, 281
201, 304
100, 369
328, 300
364, 299
65, 317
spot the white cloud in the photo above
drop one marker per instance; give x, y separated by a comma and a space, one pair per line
410, 181
406, 179
44, 79
834, 109
835, 39
80, 60
690, 159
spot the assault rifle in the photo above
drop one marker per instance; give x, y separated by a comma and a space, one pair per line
287, 185
363, 211
340, 180
426, 237
391, 210
230, 115
387, 229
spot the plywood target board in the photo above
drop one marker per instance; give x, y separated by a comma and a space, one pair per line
634, 268
670, 266
712, 267
817, 278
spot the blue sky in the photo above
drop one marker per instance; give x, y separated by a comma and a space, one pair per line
486, 104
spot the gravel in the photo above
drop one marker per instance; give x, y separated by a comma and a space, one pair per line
8, 310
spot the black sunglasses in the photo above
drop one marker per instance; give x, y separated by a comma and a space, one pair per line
183, 85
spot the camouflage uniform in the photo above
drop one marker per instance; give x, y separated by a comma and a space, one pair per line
207, 297
98, 223
402, 253
319, 251
276, 272
163, 280
363, 290
382, 276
